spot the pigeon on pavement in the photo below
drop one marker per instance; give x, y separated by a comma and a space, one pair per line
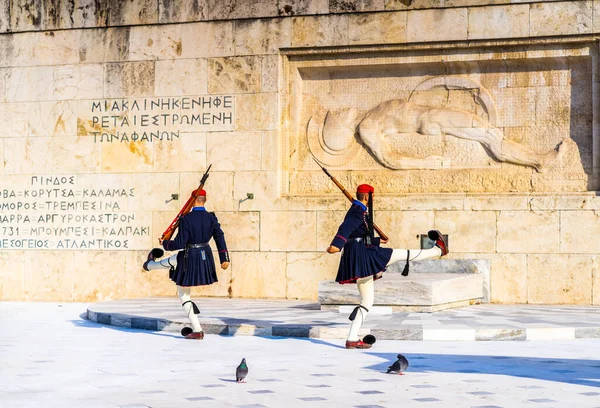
399, 365
241, 371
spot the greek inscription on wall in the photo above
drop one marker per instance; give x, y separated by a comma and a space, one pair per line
156, 119
54, 212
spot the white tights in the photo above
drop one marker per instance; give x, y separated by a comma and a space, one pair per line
183, 292
366, 286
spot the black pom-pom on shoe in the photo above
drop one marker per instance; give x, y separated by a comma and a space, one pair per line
369, 339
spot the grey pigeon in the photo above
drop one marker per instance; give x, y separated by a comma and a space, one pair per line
399, 365
241, 371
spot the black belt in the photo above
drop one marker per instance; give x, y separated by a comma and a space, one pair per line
205, 244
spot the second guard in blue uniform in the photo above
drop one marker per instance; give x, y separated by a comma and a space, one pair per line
363, 259
194, 264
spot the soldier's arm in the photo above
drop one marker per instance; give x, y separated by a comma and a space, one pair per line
181, 240
351, 222
219, 237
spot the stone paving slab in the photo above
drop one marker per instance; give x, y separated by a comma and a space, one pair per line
285, 318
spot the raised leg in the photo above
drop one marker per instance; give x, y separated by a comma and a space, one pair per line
165, 263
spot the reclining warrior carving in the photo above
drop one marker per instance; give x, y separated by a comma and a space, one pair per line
398, 116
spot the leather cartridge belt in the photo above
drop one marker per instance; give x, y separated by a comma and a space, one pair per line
204, 244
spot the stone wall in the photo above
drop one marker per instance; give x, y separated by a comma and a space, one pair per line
79, 79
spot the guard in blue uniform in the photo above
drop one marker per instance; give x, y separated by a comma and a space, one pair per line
363, 261
194, 264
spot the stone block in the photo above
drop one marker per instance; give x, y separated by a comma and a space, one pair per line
137, 12
414, 4
242, 230
104, 45
187, 153
305, 270
560, 202
257, 111
264, 186
320, 31
302, 7
578, 230
123, 157
75, 154
46, 278
507, 98
468, 231
64, 14
16, 49
351, 6
596, 16
270, 73
98, 275
129, 79
234, 150
288, 231
508, 277
437, 25
175, 11
241, 9
559, 279
5, 17
142, 284
29, 84
54, 48
21, 156
26, 15
78, 82
153, 189
528, 232
12, 275
181, 77
259, 275
499, 21
201, 40
52, 119
379, 28
155, 42
256, 37
270, 150
234, 75
560, 18
433, 202
496, 203
402, 227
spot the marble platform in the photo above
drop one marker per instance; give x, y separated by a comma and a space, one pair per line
431, 286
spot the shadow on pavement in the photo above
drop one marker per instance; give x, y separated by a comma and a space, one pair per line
572, 371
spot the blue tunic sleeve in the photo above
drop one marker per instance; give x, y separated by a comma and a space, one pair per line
351, 222
181, 239
219, 237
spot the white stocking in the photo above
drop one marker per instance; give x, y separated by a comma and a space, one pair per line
184, 296
366, 288
164, 263
415, 254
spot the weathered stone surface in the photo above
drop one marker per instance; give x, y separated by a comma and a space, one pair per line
437, 25
5, 16
234, 74
25, 15
468, 231
75, 154
596, 16
132, 12
156, 188
256, 111
505, 202
270, 74
261, 275
129, 79
432, 202
380, 28
219, 189
412, 4
14, 119
60, 14
304, 272
12, 275
200, 40
174, 11
128, 157
255, 37
155, 42
141, 284
181, 77
574, 237
327, 225
574, 17
46, 278
508, 277
91, 283
22, 156
52, 119
78, 82
54, 48
521, 231
559, 279
261, 184
224, 150
499, 22
242, 230
280, 232
320, 31
234, 9
301, 7
350, 6
402, 227
29, 84
187, 153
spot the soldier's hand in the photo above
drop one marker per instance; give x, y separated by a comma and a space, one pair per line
333, 249
383, 241
224, 265
160, 241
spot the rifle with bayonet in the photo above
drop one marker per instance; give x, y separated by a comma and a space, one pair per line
349, 197
185, 209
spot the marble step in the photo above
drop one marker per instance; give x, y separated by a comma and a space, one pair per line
417, 292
